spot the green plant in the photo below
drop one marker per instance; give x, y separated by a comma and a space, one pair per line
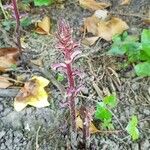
103, 113
137, 51
132, 128
43, 2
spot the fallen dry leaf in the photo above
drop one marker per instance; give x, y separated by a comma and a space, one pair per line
91, 24
43, 27
4, 82
33, 93
125, 2
93, 5
8, 57
92, 128
107, 29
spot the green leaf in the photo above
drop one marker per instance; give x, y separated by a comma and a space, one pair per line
123, 44
43, 2
110, 100
143, 69
145, 39
145, 36
60, 77
132, 128
102, 112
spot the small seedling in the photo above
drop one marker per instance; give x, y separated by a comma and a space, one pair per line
137, 51
103, 113
132, 128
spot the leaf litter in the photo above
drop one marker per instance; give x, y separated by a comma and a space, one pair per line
33, 93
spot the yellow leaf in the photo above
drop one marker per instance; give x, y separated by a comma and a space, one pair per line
43, 27
33, 93
93, 5
126, 2
107, 29
92, 128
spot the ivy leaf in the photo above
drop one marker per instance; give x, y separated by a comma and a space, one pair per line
143, 69
132, 128
123, 44
145, 39
110, 100
43, 2
102, 112
145, 36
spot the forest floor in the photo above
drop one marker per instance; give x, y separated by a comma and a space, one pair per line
47, 128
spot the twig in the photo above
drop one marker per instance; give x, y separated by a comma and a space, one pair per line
37, 138
127, 14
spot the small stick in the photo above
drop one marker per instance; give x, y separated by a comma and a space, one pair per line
126, 14
37, 138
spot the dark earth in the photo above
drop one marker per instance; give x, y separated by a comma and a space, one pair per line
48, 128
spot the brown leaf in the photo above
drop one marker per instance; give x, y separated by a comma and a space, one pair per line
125, 2
91, 24
4, 82
43, 27
93, 5
107, 29
8, 57
92, 128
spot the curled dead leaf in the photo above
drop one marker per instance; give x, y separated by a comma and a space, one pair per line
33, 93
107, 29
125, 2
92, 128
43, 27
8, 57
93, 5
4, 82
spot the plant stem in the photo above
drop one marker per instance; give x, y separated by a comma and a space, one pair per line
71, 98
17, 30
1, 6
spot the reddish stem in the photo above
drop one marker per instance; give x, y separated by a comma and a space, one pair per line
17, 30
71, 98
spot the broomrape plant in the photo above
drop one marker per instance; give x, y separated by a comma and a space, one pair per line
69, 48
